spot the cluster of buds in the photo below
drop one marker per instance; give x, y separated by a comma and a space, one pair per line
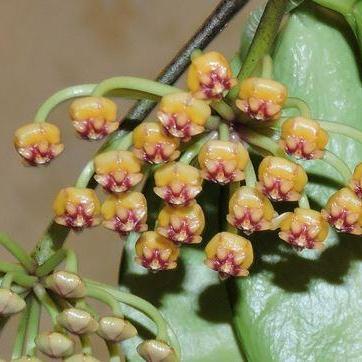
94, 117
38, 143
261, 99
281, 179
303, 138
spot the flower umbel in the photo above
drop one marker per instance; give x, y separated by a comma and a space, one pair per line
152, 144
94, 117
261, 99
250, 210
303, 138
117, 171
155, 252
177, 183
356, 182
210, 76
344, 211
125, 212
77, 208
229, 254
223, 161
182, 224
281, 179
304, 228
38, 143
182, 115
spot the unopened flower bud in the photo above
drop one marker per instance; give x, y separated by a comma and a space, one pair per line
117, 171
156, 351
81, 358
77, 208
77, 321
125, 212
152, 144
344, 212
210, 76
10, 303
223, 161
303, 138
115, 329
182, 224
94, 117
66, 284
281, 179
250, 210
261, 99
38, 143
229, 254
182, 115
155, 252
304, 228
55, 345
177, 183
24, 359
356, 182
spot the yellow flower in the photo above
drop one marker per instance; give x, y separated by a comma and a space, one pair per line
223, 161
182, 115
280, 179
344, 212
261, 99
229, 254
304, 228
77, 208
183, 224
177, 183
125, 212
155, 252
152, 144
356, 182
117, 171
250, 210
94, 117
303, 138
38, 143
210, 76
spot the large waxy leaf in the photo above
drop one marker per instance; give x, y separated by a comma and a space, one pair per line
191, 298
306, 306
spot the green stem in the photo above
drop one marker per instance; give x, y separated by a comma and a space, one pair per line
338, 165
32, 329
304, 202
17, 251
224, 133
114, 352
47, 302
224, 110
86, 344
104, 297
342, 129
20, 278
87, 173
138, 303
62, 96
133, 83
7, 281
213, 123
10, 267
267, 67
264, 36
195, 148
345, 7
21, 332
71, 262
250, 176
299, 104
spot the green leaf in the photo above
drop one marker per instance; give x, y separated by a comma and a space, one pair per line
306, 306
191, 297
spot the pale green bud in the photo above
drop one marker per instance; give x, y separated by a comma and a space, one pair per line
77, 321
66, 284
55, 344
156, 351
10, 302
115, 329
